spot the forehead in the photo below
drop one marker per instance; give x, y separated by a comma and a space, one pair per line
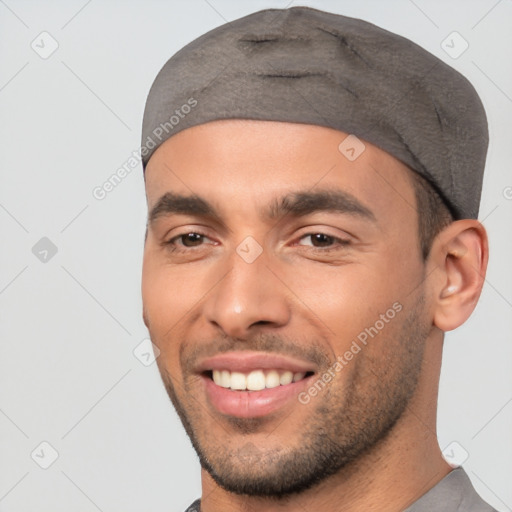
241, 164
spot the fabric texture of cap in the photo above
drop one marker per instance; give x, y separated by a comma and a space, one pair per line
303, 65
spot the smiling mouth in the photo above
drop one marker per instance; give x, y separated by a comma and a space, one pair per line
255, 380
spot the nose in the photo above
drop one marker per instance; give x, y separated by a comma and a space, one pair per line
249, 296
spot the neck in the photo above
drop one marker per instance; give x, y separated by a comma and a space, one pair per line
389, 477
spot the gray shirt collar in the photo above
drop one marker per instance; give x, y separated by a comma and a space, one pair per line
454, 493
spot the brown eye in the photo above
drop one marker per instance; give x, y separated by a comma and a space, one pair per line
318, 240
321, 240
191, 239
186, 242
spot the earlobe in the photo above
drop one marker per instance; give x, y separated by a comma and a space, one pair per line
462, 255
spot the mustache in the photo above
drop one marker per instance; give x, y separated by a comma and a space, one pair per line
309, 350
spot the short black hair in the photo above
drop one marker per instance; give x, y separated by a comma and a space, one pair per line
434, 213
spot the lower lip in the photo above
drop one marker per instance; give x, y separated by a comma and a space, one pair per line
252, 404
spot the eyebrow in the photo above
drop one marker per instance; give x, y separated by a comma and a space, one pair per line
298, 204
171, 203
295, 204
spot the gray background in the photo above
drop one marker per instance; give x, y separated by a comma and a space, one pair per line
70, 323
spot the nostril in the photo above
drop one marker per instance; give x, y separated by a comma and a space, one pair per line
262, 322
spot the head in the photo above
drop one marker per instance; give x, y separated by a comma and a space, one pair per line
333, 279
298, 279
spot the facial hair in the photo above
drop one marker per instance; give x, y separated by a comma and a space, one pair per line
344, 423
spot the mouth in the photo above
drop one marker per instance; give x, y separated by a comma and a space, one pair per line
255, 380
252, 385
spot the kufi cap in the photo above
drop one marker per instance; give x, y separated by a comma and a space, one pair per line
303, 65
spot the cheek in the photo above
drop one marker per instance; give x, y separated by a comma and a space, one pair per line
168, 292
169, 297
349, 299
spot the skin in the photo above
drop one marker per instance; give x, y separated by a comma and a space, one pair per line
297, 299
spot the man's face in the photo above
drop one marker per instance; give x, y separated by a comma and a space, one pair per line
287, 262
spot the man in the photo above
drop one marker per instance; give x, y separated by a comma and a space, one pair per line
313, 184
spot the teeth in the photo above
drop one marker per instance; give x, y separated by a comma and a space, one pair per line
286, 378
238, 381
255, 380
272, 379
225, 378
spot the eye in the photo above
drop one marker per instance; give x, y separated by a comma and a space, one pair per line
191, 239
188, 240
322, 240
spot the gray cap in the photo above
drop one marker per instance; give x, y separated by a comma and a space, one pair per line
302, 65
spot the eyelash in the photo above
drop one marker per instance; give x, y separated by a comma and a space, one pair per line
338, 243
341, 242
173, 246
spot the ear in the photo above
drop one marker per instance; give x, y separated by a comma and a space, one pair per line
460, 253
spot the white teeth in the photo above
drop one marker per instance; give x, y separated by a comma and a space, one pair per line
272, 379
286, 378
238, 381
255, 380
225, 379
216, 377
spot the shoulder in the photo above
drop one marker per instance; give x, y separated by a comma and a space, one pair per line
195, 507
454, 493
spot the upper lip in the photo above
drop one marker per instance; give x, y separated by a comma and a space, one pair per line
248, 361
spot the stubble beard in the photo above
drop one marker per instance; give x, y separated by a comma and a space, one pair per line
342, 427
